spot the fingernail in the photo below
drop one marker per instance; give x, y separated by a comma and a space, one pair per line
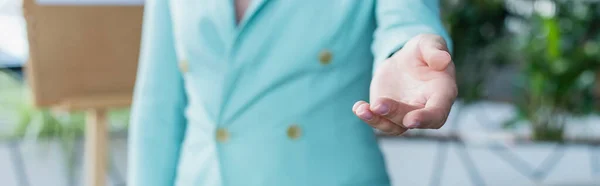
382, 109
355, 106
364, 113
414, 125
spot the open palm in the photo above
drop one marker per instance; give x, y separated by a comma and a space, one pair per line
415, 88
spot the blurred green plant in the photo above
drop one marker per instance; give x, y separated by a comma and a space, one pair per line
31, 123
556, 50
42, 123
561, 55
481, 42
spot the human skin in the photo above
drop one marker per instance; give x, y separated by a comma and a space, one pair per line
414, 88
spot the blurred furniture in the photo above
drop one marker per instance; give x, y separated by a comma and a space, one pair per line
84, 57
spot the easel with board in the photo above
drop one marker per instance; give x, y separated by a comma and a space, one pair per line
84, 58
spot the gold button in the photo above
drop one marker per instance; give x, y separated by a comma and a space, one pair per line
325, 57
294, 132
222, 135
183, 66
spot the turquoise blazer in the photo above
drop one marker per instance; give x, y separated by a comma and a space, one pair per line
268, 101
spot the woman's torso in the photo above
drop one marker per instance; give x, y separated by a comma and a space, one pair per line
270, 97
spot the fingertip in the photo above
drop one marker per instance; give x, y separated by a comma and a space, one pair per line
358, 103
439, 59
414, 119
414, 125
363, 112
434, 51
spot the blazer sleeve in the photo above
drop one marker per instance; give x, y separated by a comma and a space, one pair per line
400, 20
157, 123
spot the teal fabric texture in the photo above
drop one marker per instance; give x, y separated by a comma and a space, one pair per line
267, 101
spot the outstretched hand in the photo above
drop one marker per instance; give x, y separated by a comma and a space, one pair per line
415, 88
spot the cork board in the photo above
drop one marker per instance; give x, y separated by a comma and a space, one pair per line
82, 55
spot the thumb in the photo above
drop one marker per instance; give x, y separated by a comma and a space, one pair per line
434, 51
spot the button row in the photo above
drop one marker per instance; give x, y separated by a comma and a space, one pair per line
325, 58
293, 132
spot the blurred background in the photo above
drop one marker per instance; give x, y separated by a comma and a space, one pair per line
529, 78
